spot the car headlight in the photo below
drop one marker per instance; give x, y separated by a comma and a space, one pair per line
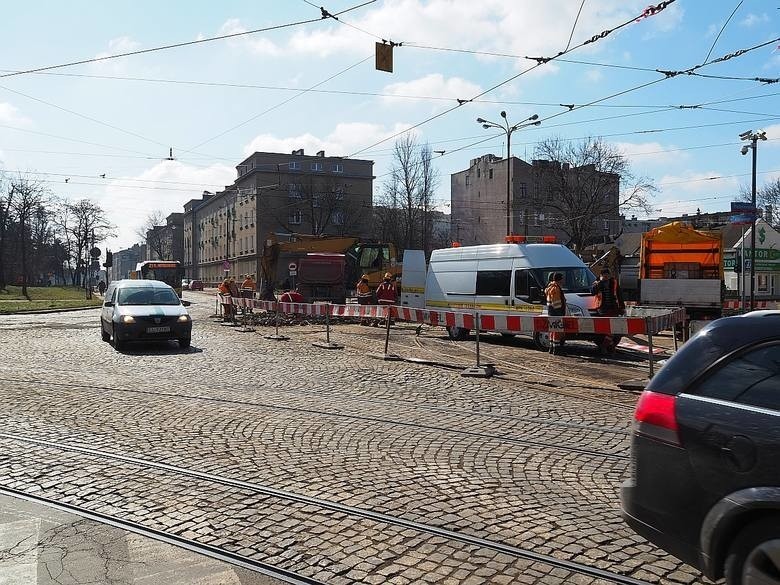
574, 310
128, 319
184, 318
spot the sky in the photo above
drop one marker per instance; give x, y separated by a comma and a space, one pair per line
102, 130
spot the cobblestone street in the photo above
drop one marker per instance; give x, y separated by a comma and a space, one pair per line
331, 464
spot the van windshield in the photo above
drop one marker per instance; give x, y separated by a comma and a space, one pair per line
147, 296
575, 279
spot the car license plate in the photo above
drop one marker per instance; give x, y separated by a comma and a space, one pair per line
158, 329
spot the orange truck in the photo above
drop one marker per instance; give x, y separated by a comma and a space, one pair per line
682, 267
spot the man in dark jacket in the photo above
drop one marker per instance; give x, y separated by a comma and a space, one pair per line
609, 302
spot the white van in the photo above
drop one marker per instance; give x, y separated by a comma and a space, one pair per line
499, 277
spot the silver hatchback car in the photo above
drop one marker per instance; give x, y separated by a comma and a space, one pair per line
143, 310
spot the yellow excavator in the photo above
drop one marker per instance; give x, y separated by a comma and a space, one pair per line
371, 258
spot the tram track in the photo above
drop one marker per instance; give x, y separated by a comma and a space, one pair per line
519, 552
528, 443
383, 402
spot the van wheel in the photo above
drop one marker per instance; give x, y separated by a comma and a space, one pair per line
752, 558
118, 345
458, 333
103, 335
542, 341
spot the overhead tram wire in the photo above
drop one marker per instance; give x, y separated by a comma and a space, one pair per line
276, 106
182, 44
720, 32
540, 61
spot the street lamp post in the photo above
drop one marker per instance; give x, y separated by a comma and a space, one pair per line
508, 130
753, 138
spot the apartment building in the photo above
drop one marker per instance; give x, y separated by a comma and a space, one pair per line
542, 195
275, 193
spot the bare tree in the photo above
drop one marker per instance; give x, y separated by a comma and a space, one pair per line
767, 197
6, 215
88, 225
29, 197
403, 215
588, 181
319, 206
155, 239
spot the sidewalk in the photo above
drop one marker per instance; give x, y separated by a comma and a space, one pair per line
43, 546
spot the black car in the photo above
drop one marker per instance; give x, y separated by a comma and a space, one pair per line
705, 478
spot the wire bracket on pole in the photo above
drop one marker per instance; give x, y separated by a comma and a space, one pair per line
276, 336
327, 344
480, 370
386, 356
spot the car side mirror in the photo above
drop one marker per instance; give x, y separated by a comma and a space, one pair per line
535, 294
108, 304
186, 303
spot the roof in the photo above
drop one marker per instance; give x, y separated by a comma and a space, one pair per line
139, 283
629, 243
551, 255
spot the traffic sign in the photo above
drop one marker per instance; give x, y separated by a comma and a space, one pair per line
95, 252
225, 265
292, 267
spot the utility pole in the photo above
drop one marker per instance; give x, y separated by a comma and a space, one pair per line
753, 138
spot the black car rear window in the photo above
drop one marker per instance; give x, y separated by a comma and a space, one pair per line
751, 378
718, 339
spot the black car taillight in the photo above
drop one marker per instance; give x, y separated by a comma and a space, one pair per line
655, 417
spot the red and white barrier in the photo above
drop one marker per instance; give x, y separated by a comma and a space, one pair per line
495, 321
758, 304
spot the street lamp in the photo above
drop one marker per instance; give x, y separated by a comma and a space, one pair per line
508, 130
753, 138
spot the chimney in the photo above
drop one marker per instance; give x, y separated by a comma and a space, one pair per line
321, 153
769, 215
565, 166
298, 152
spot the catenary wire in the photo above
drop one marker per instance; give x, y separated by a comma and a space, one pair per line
720, 32
539, 63
182, 44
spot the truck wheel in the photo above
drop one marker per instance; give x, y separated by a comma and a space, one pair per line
458, 333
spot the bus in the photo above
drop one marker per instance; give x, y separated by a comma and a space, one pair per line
170, 272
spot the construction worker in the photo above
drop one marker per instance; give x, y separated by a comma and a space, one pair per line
609, 302
364, 295
224, 291
233, 287
249, 285
556, 307
386, 294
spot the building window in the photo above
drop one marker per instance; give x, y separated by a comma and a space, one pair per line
490, 173
522, 190
294, 165
294, 190
338, 217
762, 282
295, 217
316, 166
479, 174
338, 168
467, 181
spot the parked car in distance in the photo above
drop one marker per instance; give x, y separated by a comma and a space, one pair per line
196, 285
143, 310
185, 284
705, 478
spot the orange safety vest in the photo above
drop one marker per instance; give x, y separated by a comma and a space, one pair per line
363, 290
554, 296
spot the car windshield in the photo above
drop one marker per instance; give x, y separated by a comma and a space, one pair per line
575, 279
147, 296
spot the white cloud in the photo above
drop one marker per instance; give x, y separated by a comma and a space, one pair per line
594, 76
754, 19
644, 153
255, 44
434, 84
166, 186
345, 139
115, 46
10, 115
773, 135
517, 28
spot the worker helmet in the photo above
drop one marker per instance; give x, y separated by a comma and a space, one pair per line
388, 275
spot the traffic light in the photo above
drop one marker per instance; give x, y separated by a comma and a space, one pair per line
109, 259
